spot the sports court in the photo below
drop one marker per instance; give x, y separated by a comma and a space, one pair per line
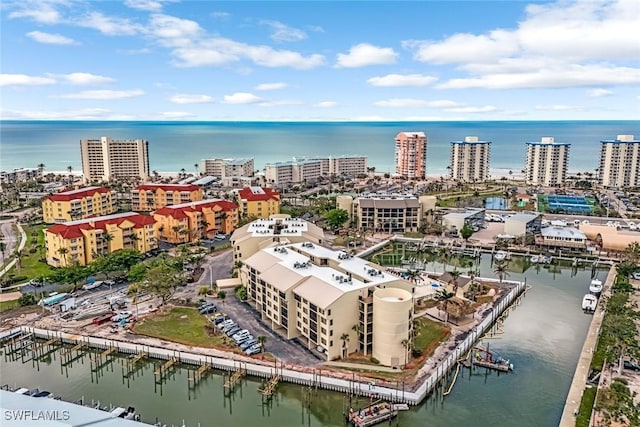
567, 204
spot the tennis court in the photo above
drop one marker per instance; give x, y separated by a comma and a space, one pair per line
568, 204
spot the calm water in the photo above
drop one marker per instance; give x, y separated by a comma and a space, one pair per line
542, 337
177, 145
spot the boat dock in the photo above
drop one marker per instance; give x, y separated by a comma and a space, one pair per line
270, 386
234, 379
376, 413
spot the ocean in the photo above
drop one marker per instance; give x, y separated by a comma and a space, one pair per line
177, 145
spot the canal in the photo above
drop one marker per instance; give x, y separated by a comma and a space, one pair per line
542, 337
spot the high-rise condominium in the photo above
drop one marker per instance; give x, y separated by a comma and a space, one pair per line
546, 162
620, 162
470, 159
107, 159
411, 155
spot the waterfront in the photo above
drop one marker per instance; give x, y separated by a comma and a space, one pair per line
542, 337
177, 145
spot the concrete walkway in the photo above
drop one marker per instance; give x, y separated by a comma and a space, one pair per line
572, 404
363, 366
23, 241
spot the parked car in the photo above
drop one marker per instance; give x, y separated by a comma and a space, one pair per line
255, 349
228, 326
631, 366
123, 315
240, 334
220, 236
244, 339
218, 320
232, 330
208, 309
248, 343
636, 276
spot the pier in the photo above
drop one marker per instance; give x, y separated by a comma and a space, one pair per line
198, 375
160, 374
76, 352
131, 366
270, 386
234, 379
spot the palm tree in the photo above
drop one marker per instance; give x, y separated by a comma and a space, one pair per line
106, 237
345, 339
195, 165
19, 255
500, 270
357, 328
407, 346
176, 229
182, 172
262, 340
134, 291
632, 252
3, 247
444, 297
156, 175
70, 177
455, 274
64, 252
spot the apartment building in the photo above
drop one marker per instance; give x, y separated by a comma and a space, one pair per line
223, 168
20, 175
78, 204
620, 162
258, 202
107, 159
387, 213
302, 169
546, 162
277, 229
317, 295
150, 197
189, 222
81, 242
411, 155
470, 160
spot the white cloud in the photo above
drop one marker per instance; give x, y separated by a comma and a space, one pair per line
86, 79
24, 80
221, 15
176, 115
104, 94
191, 99
326, 104
108, 25
147, 5
485, 109
43, 11
173, 32
271, 86
141, 51
402, 80
416, 103
364, 54
558, 107
568, 76
283, 33
242, 98
82, 114
49, 38
568, 43
280, 102
598, 93
222, 51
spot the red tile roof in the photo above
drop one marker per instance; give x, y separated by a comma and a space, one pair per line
180, 211
73, 229
266, 194
67, 196
168, 187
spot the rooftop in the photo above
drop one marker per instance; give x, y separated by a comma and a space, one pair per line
167, 187
523, 217
72, 229
563, 232
205, 180
77, 194
258, 194
412, 134
622, 139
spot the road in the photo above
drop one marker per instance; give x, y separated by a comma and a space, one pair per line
9, 238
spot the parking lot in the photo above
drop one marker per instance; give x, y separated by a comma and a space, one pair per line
248, 318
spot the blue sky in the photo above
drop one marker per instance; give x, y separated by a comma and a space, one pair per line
324, 60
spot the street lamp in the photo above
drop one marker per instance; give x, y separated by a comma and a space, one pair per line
211, 277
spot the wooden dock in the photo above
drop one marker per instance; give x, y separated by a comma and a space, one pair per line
198, 374
235, 378
131, 366
73, 354
47, 344
270, 386
160, 374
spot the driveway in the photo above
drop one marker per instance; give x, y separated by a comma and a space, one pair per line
9, 238
247, 317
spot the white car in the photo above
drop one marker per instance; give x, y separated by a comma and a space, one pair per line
636, 276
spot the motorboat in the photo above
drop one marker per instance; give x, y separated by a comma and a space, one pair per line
126, 413
535, 259
500, 256
589, 303
595, 287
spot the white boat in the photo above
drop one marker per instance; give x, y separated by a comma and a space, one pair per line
92, 285
595, 287
126, 413
535, 259
500, 256
589, 302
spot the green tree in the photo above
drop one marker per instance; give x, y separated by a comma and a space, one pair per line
406, 344
262, 340
500, 270
345, 339
241, 293
444, 298
222, 295
466, 231
335, 218
137, 272
133, 291
161, 281
632, 253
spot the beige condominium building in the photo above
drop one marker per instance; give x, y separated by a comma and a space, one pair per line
302, 169
620, 162
470, 160
546, 162
411, 155
277, 229
107, 159
224, 168
149, 197
333, 302
78, 204
387, 213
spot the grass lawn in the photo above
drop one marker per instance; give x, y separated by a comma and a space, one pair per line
586, 405
183, 325
31, 265
429, 334
8, 305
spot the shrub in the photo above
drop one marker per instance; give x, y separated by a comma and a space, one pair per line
33, 250
27, 299
416, 352
374, 360
16, 279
